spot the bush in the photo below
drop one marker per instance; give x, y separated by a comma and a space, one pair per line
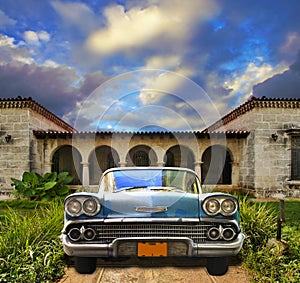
38, 187
278, 262
258, 223
29, 245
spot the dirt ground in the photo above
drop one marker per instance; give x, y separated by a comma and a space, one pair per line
147, 272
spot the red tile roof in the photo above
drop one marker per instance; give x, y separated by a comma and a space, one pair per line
200, 134
29, 103
252, 103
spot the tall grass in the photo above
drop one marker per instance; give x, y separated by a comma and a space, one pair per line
279, 262
30, 250
258, 223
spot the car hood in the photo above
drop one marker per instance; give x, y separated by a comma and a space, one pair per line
150, 204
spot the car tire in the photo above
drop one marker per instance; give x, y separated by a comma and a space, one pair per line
217, 266
85, 265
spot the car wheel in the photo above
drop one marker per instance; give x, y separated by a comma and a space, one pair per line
217, 265
85, 265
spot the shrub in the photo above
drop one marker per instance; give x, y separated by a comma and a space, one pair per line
29, 245
258, 223
38, 187
278, 262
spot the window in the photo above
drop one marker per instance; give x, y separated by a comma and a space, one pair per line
140, 158
295, 158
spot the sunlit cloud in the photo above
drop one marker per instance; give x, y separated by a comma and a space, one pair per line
36, 38
140, 27
243, 83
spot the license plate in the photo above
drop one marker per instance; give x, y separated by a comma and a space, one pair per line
152, 249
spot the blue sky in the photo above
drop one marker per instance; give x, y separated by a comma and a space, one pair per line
148, 64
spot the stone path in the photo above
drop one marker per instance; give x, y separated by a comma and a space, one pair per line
156, 274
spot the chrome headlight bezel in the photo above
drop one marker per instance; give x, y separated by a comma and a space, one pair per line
82, 203
225, 205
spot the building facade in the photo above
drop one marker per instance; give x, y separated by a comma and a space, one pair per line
256, 147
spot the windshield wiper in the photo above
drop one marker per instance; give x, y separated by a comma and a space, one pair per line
130, 188
169, 189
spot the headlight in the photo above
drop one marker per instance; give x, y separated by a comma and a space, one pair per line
90, 206
228, 206
73, 207
224, 205
78, 205
212, 206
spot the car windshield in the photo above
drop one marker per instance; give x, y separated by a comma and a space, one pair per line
170, 180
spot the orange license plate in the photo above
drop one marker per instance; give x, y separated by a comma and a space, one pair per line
152, 249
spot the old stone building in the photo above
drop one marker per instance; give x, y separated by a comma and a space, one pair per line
254, 147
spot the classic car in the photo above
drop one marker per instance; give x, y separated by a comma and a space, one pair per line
151, 213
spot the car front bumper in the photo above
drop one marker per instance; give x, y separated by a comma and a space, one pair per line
207, 249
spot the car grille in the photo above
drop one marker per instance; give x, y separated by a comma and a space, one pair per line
107, 232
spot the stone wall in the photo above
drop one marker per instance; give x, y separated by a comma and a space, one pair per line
15, 154
273, 155
20, 153
266, 162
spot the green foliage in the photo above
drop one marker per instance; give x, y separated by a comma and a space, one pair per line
29, 245
45, 188
279, 262
258, 223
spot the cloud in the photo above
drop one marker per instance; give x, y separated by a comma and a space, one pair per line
36, 38
285, 85
243, 83
5, 20
77, 15
291, 43
11, 52
49, 86
151, 26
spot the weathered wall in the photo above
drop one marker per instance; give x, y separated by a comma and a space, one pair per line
14, 155
266, 163
21, 153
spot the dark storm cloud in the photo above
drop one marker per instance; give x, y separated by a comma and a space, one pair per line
285, 85
58, 89
48, 86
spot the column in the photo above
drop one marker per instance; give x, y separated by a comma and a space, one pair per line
198, 168
85, 174
122, 164
47, 167
235, 173
160, 164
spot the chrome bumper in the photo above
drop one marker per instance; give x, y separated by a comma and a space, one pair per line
211, 249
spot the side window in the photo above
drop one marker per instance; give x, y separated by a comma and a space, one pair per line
295, 158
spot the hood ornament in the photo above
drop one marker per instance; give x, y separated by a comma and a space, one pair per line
151, 209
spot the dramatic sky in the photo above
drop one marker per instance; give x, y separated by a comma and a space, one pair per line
148, 64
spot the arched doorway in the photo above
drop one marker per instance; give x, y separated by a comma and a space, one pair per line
141, 155
217, 165
68, 159
101, 159
179, 156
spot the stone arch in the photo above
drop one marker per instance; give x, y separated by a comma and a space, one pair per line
141, 155
216, 165
68, 159
101, 159
179, 156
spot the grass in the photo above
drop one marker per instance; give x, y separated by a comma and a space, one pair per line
29, 245
291, 211
278, 261
30, 250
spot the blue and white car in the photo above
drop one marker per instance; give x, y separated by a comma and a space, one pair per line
151, 212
